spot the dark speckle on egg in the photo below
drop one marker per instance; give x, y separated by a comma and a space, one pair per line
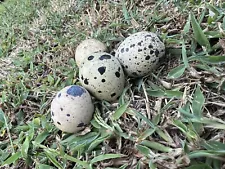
113, 94
81, 124
59, 95
103, 80
90, 57
133, 45
122, 50
148, 36
117, 74
101, 70
68, 115
52, 113
150, 46
139, 43
103, 57
139, 50
75, 91
58, 123
61, 108
127, 49
86, 81
147, 57
156, 52
151, 52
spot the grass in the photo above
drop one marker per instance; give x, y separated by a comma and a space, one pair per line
173, 118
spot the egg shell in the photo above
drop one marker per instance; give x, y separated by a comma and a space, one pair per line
102, 75
87, 47
139, 53
72, 109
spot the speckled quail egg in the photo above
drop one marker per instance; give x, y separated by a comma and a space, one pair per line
139, 53
102, 75
72, 109
87, 47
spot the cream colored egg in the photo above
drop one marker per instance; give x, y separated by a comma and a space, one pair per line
72, 109
87, 47
139, 53
102, 75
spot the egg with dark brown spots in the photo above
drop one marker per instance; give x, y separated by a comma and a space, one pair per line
139, 53
72, 109
102, 75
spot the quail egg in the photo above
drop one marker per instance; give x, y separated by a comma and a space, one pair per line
139, 53
102, 75
72, 109
87, 47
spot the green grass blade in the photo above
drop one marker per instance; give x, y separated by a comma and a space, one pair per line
146, 134
198, 166
156, 146
125, 12
184, 55
144, 150
44, 166
198, 33
187, 25
85, 164
53, 159
13, 158
74, 139
143, 117
155, 92
123, 166
213, 145
198, 102
25, 147
164, 93
97, 141
41, 137
180, 125
206, 153
185, 113
163, 135
152, 165
105, 157
176, 72
212, 59
173, 94
100, 120
119, 112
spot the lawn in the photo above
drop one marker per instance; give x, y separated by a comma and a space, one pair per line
174, 118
